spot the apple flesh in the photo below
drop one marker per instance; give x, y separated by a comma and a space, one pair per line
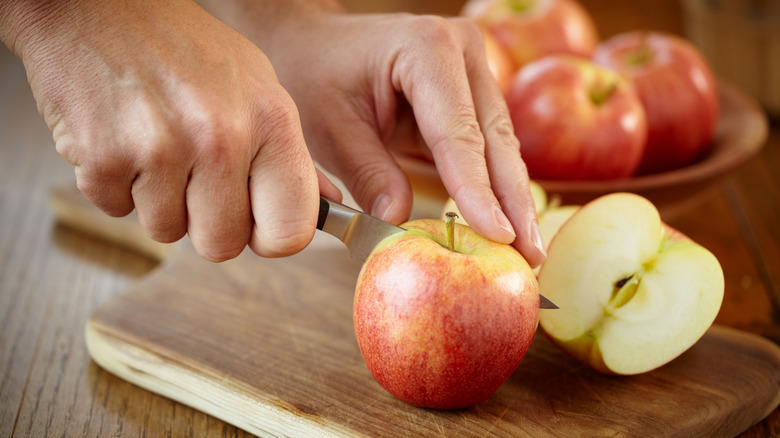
633, 293
678, 91
439, 328
532, 29
576, 120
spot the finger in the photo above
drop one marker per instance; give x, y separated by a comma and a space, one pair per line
447, 119
405, 138
283, 184
327, 188
105, 182
359, 158
217, 197
159, 197
508, 173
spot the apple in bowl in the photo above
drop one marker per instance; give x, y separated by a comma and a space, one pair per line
678, 91
633, 293
443, 326
531, 29
576, 120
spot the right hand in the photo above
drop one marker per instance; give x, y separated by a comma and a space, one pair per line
165, 109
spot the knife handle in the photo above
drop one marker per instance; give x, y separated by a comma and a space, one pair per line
324, 209
335, 218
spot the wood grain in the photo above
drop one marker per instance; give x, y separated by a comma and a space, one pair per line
268, 345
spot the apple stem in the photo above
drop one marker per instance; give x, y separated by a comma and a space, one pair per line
644, 55
521, 5
602, 93
451, 229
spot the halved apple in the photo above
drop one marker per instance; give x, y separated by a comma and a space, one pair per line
633, 293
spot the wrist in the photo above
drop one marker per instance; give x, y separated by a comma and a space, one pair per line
26, 23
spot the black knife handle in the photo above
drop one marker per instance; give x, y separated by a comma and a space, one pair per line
324, 209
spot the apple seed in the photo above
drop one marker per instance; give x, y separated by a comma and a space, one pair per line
622, 282
624, 291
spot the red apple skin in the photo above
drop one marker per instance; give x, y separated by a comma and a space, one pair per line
563, 133
441, 329
541, 28
678, 91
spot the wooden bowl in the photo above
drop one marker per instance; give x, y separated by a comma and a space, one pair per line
741, 133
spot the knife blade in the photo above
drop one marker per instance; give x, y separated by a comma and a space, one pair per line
359, 231
362, 232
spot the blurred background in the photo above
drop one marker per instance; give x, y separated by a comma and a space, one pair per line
741, 38
54, 277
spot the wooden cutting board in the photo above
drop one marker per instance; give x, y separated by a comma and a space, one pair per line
268, 346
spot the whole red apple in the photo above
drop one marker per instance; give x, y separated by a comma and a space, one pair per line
444, 328
576, 120
678, 91
531, 29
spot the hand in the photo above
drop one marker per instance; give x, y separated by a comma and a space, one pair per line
367, 86
164, 109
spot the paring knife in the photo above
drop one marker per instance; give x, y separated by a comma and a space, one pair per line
362, 232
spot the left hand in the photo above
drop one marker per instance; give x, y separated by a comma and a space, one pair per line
366, 85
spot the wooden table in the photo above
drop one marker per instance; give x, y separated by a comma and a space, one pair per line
53, 278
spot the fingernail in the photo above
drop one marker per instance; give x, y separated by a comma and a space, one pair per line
382, 205
503, 222
536, 238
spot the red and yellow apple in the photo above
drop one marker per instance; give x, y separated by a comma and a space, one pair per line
678, 91
444, 328
576, 120
531, 29
633, 293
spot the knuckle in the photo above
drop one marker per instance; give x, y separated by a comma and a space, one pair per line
470, 29
220, 143
156, 146
436, 30
68, 149
164, 228
217, 253
283, 240
279, 114
221, 242
98, 193
502, 127
464, 135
